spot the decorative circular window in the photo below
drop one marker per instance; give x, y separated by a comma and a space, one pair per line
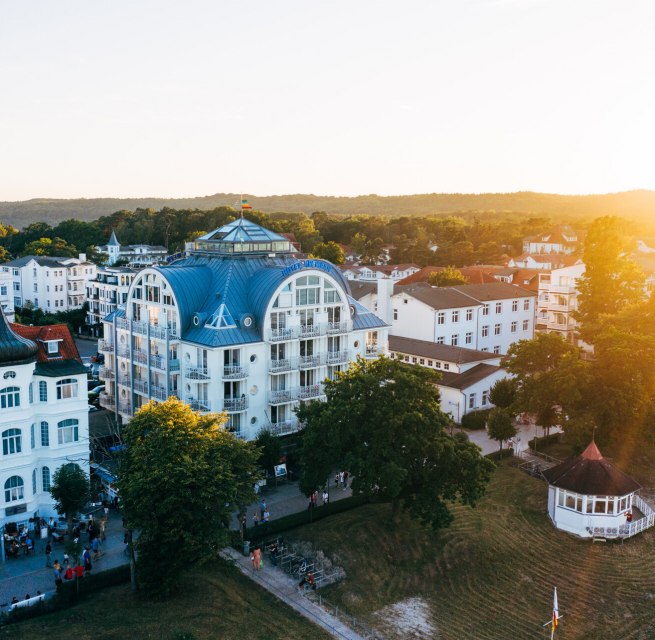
253, 420
9, 374
247, 322
356, 344
253, 390
196, 320
253, 358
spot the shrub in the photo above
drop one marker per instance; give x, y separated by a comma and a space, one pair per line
475, 420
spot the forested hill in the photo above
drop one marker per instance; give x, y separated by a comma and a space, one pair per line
630, 204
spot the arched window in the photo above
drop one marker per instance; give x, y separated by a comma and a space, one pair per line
67, 431
32, 436
66, 388
11, 441
45, 476
45, 434
43, 391
33, 481
14, 489
9, 397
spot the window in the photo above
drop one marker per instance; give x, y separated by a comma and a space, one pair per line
446, 366
45, 434
14, 489
455, 316
395, 314
485, 331
53, 347
497, 349
497, 328
9, 397
67, 431
33, 481
31, 393
515, 305
485, 397
526, 325
468, 338
43, 391
485, 310
441, 317
413, 360
437, 364
9, 374
471, 401
469, 314
308, 289
440, 340
526, 304
45, 478
454, 340
513, 327
430, 363
32, 436
66, 388
499, 307
11, 441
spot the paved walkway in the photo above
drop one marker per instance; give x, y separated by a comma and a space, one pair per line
284, 587
27, 574
526, 432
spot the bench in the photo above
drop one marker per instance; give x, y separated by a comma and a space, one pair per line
27, 603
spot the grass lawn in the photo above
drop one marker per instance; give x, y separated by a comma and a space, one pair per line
214, 602
491, 574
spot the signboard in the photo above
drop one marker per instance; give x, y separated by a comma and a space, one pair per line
307, 264
280, 470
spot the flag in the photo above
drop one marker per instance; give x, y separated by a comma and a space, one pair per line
555, 614
244, 204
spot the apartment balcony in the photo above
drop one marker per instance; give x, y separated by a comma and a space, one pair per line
337, 327
282, 365
123, 352
559, 307
198, 405
233, 405
125, 380
284, 427
282, 396
107, 401
158, 393
141, 386
235, 372
338, 357
155, 331
106, 373
173, 365
122, 323
568, 289
310, 391
280, 335
105, 346
309, 362
125, 408
139, 356
158, 362
311, 330
196, 373
373, 352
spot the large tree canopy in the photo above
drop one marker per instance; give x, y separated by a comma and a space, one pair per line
70, 490
382, 421
181, 477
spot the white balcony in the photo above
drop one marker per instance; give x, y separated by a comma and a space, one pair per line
373, 352
309, 362
337, 327
338, 357
235, 372
311, 330
310, 391
123, 352
282, 365
198, 405
158, 362
106, 373
107, 401
105, 346
282, 396
125, 408
125, 380
158, 393
235, 404
139, 356
279, 335
284, 427
141, 386
196, 373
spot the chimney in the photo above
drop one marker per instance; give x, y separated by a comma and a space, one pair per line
82, 257
385, 291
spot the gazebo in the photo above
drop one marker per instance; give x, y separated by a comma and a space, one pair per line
590, 497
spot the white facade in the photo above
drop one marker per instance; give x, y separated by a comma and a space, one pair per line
373, 273
43, 425
106, 291
51, 284
560, 240
136, 255
558, 300
7, 293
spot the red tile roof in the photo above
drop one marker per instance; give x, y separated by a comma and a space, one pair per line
473, 275
41, 335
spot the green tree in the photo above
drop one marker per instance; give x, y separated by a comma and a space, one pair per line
181, 477
5, 256
70, 490
329, 251
611, 281
448, 277
500, 426
271, 450
503, 393
50, 247
382, 421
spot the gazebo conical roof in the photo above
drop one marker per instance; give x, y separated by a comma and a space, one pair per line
592, 475
14, 349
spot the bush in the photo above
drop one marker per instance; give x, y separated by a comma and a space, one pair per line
475, 420
501, 454
541, 442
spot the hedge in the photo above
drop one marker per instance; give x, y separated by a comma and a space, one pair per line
540, 442
293, 520
475, 420
500, 454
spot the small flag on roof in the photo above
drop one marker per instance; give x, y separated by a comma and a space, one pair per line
555, 615
244, 204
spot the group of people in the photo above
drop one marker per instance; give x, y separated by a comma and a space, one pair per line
15, 600
20, 540
264, 514
341, 479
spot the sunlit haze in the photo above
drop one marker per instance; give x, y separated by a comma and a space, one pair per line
170, 99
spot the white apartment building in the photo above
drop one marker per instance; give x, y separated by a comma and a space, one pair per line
467, 375
486, 317
241, 325
106, 291
559, 240
558, 300
44, 418
136, 255
372, 273
50, 283
7, 293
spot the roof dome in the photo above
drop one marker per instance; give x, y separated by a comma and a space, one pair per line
14, 349
241, 236
591, 474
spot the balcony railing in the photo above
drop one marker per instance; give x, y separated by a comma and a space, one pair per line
125, 408
284, 364
123, 352
122, 323
311, 330
106, 373
284, 427
106, 346
338, 357
141, 386
158, 362
282, 396
198, 405
125, 380
559, 307
235, 372
143, 329
196, 373
106, 400
235, 404
278, 335
308, 362
139, 356
174, 364
310, 391
337, 327
158, 393
373, 352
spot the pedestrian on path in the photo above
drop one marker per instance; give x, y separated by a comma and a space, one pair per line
86, 557
48, 555
262, 509
342, 477
345, 480
256, 557
337, 479
326, 497
57, 575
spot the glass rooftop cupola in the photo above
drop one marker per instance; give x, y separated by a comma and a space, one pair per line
241, 237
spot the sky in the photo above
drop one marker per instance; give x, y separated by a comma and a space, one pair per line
164, 98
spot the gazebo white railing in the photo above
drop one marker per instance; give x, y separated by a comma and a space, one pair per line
628, 529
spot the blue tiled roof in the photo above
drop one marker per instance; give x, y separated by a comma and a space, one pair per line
243, 230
